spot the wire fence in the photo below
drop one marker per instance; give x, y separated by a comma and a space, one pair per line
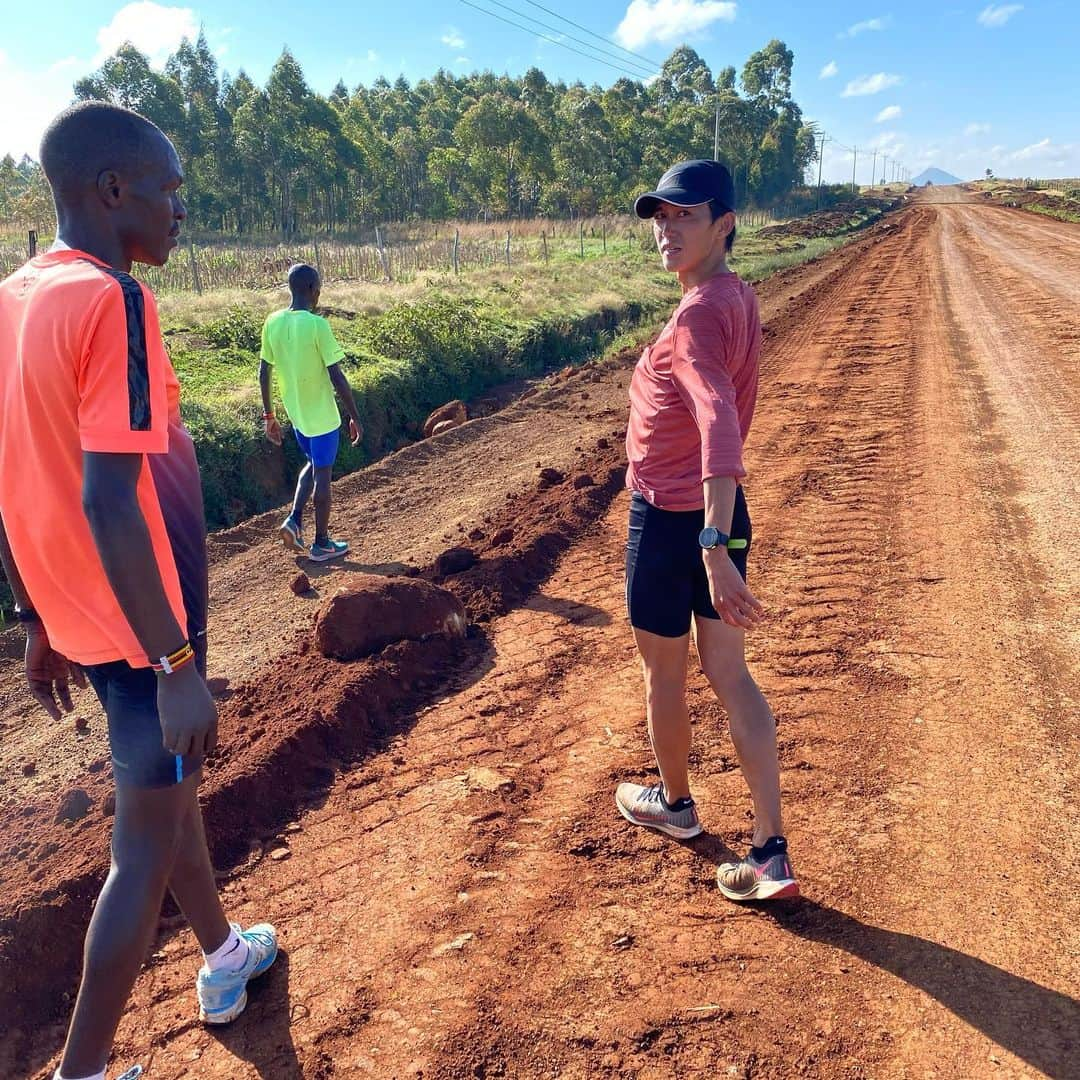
388, 253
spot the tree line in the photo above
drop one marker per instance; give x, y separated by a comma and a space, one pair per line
284, 159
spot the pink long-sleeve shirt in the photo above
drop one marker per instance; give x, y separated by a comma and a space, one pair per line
693, 393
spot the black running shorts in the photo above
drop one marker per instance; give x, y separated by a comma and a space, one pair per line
666, 581
129, 698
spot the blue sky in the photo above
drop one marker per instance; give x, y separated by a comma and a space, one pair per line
963, 87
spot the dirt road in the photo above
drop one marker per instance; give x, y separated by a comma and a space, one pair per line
460, 897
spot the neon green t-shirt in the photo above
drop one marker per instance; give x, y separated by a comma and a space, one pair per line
300, 346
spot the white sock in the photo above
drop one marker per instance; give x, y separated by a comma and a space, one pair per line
96, 1076
231, 956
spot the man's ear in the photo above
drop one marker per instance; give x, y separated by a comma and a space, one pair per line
108, 187
729, 222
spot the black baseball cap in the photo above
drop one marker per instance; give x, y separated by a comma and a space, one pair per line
690, 183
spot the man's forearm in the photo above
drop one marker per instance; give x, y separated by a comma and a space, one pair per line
345, 394
111, 505
11, 572
264, 387
720, 502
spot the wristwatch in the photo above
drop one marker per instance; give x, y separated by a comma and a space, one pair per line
710, 538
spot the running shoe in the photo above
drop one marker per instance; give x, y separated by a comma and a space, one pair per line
290, 535
643, 806
332, 549
748, 879
132, 1074
223, 994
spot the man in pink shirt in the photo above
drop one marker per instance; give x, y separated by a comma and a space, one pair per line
691, 402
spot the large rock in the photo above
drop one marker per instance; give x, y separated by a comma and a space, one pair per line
371, 612
453, 411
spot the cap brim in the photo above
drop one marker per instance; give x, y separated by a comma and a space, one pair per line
645, 205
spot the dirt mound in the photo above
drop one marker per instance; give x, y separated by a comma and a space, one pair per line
369, 612
829, 222
285, 733
453, 413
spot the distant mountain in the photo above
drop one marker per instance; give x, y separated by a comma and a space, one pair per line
935, 176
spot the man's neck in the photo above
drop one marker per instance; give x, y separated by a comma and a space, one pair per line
104, 247
301, 305
707, 268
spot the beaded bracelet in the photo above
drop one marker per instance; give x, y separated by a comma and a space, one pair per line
167, 665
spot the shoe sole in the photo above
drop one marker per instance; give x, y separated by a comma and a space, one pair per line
290, 541
670, 830
327, 556
225, 1016
762, 890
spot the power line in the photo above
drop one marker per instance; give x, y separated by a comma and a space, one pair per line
554, 41
591, 33
647, 70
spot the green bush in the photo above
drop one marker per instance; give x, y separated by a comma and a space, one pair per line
239, 327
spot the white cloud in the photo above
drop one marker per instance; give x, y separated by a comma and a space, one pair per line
890, 112
829, 70
976, 129
462, 61
1048, 153
866, 24
648, 21
870, 84
995, 15
154, 29
40, 96
452, 39
372, 56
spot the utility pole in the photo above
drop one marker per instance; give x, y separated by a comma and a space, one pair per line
716, 135
873, 172
821, 158
854, 160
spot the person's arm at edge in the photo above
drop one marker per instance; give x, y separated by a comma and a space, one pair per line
47, 671
341, 384
111, 505
270, 422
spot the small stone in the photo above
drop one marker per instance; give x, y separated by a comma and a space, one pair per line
300, 584
456, 945
81, 723
623, 941
74, 805
502, 538
550, 477
108, 807
293, 827
96, 765
602, 443
280, 853
583, 480
29, 768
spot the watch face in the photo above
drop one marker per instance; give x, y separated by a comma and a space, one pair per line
709, 537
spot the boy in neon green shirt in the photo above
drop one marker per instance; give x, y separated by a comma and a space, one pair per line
301, 347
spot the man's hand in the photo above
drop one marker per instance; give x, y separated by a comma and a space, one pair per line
356, 432
272, 429
733, 601
48, 673
187, 712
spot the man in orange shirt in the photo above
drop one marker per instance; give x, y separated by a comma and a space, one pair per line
104, 546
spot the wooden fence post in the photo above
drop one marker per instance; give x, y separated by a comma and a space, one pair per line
543, 243
318, 261
196, 281
603, 236
457, 241
32, 242
581, 237
507, 247
382, 254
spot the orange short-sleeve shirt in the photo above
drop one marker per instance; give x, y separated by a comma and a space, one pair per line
83, 368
